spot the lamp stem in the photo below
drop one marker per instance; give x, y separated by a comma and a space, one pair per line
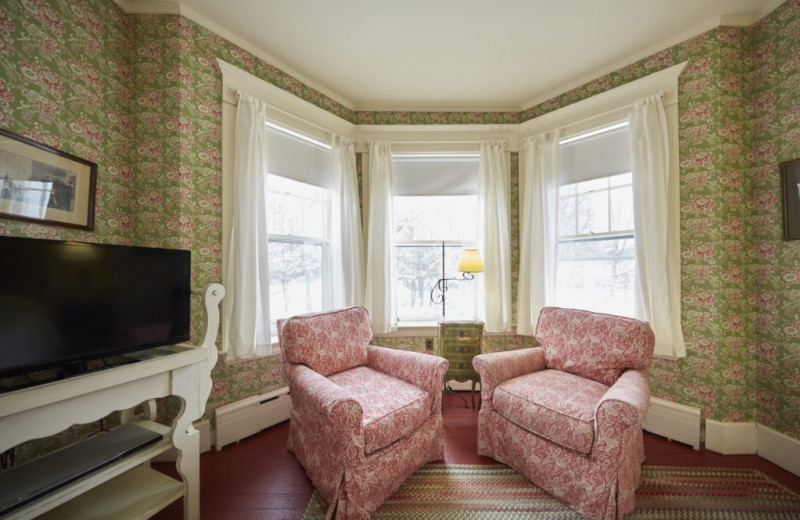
445, 283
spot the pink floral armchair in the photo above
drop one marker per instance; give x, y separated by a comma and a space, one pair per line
568, 415
364, 418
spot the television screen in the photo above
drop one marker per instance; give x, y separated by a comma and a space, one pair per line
65, 302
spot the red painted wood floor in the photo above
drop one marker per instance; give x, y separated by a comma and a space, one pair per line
258, 479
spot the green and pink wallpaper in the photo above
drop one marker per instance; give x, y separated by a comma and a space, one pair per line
141, 95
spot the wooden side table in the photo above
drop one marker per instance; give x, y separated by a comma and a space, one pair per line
459, 342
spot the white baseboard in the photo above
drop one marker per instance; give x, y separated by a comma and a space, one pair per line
754, 439
248, 416
731, 438
780, 449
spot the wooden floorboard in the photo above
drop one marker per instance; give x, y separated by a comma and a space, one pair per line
258, 479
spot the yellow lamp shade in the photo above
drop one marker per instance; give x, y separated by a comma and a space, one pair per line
470, 262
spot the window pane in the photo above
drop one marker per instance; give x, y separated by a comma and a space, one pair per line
621, 209
296, 208
567, 189
419, 267
597, 275
450, 218
295, 279
592, 212
566, 215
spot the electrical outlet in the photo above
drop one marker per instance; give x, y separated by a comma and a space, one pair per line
428, 343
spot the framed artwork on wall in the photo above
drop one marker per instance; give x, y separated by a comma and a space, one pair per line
41, 184
790, 191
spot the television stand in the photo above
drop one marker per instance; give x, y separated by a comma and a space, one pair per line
128, 487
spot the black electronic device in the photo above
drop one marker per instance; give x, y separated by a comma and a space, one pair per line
65, 303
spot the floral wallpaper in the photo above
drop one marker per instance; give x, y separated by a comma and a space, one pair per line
773, 120
66, 83
141, 96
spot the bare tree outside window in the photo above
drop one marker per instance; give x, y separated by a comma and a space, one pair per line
596, 249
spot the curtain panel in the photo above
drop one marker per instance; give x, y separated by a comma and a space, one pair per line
656, 224
379, 297
538, 212
347, 255
246, 329
494, 236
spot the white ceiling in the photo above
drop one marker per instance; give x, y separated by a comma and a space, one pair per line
457, 54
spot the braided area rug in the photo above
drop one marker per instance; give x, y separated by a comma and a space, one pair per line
466, 492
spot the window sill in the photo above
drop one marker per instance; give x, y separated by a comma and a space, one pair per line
432, 329
274, 352
424, 328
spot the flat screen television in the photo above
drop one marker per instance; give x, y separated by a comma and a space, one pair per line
64, 303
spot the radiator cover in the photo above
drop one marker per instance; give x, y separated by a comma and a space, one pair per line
249, 416
674, 421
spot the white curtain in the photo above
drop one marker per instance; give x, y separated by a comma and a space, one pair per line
494, 236
347, 256
246, 330
379, 298
656, 224
538, 224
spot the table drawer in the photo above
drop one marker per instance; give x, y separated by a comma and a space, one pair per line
455, 349
461, 365
462, 333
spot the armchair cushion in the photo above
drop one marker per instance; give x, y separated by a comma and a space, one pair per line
392, 408
593, 345
327, 342
558, 406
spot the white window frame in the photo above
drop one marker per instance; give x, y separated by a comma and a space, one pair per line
419, 321
614, 105
325, 242
619, 234
284, 109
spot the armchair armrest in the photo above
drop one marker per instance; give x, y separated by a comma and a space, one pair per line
497, 367
627, 400
619, 415
329, 405
422, 370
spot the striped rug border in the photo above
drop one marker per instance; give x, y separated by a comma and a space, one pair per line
714, 493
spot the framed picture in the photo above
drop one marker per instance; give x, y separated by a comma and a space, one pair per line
45, 185
790, 189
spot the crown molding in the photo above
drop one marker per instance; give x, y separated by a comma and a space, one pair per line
284, 107
432, 106
609, 102
176, 7
173, 7
436, 138
767, 8
736, 20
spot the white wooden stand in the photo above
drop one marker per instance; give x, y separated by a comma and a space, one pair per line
129, 488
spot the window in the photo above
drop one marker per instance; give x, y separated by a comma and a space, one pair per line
299, 249
596, 254
298, 225
435, 214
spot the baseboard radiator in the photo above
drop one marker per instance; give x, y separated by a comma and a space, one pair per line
249, 416
677, 422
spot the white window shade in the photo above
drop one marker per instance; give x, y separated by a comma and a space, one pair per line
415, 176
602, 155
297, 159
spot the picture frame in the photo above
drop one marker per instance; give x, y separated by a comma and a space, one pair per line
790, 194
44, 185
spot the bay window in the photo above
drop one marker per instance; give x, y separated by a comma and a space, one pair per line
435, 204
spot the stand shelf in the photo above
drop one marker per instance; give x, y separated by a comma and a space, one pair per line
128, 488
